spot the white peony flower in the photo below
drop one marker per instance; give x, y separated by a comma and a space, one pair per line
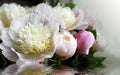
65, 14
30, 38
8, 12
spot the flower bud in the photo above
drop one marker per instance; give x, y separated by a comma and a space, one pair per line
85, 41
66, 46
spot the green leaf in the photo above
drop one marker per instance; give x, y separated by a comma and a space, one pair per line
54, 62
54, 2
94, 33
70, 4
100, 59
78, 61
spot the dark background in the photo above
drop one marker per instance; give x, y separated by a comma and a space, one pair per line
22, 2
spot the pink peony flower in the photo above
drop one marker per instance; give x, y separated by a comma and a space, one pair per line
85, 41
66, 46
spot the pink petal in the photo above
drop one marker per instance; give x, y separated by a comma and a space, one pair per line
85, 40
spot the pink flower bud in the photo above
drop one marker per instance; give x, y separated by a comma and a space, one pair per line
66, 46
85, 41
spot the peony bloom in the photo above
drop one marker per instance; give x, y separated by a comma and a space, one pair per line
73, 19
85, 41
66, 47
28, 40
8, 12
66, 15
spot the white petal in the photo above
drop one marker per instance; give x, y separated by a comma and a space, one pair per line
101, 42
8, 53
89, 17
16, 25
61, 49
34, 58
1, 26
19, 62
5, 38
84, 19
43, 13
79, 27
61, 23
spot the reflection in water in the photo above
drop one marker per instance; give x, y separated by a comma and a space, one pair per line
27, 69
64, 70
36, 69
10, 70
40, 69
33, 69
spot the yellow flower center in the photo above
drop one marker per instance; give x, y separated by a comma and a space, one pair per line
34, 39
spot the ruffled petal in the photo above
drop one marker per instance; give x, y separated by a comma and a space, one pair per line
5, 38
83, 19
16, 25
79, 24
36, 58
33, 57
8, 53
44, 14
